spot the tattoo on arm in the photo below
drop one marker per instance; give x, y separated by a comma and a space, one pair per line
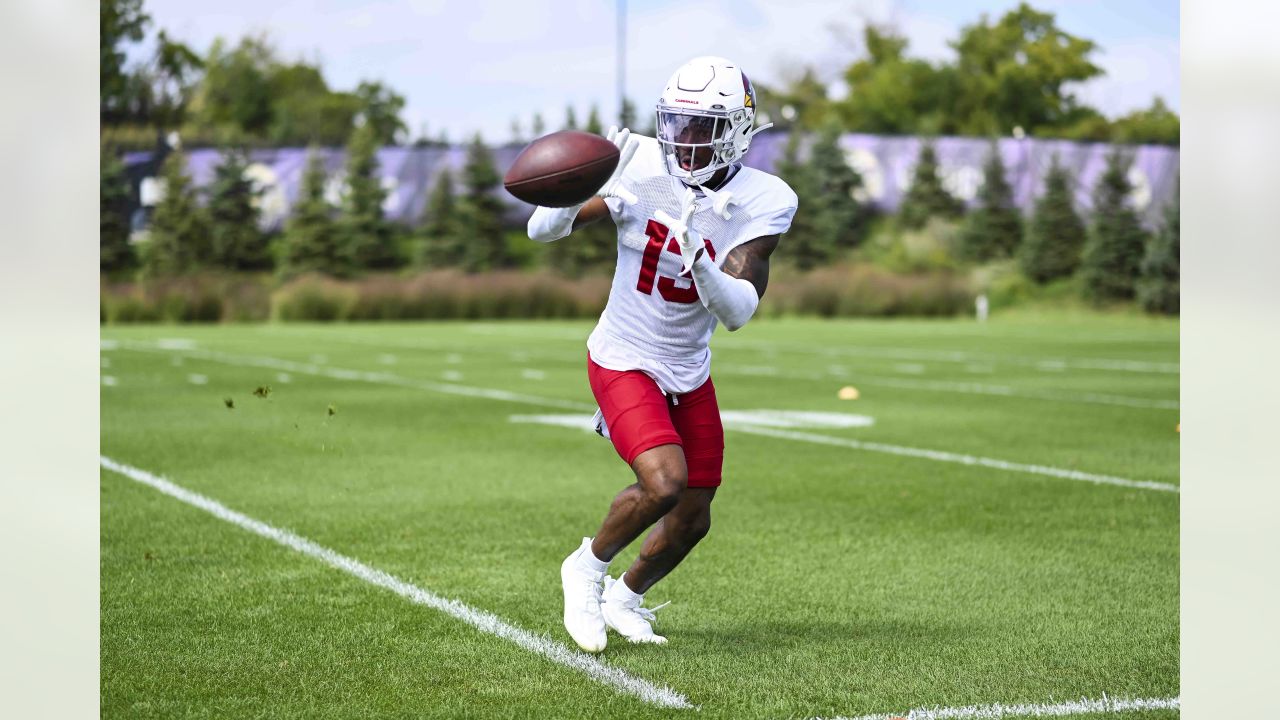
750, 261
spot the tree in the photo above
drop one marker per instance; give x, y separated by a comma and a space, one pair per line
237, 242
367, 234
927, 197
1157, 124
1013, 73
1056, 233
807, 245
1158, 283
1116, 240
517, 132
179, 240
236, 91
837, 213
440, 240
305, 110
380, 106
891, 93
115, 252
570, 119
486, 245
538, 126
118, 21
311, 242
627, 114
593, 125
994, 228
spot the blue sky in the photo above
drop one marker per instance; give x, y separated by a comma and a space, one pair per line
474, 66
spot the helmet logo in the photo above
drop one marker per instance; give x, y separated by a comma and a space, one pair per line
750, 99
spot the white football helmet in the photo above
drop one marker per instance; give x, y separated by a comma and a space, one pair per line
705, 118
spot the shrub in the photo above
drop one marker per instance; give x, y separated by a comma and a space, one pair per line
313, 298
864, 290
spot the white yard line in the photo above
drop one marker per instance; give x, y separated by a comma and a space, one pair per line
957, 356
999, 710
485, 622
494, 394
958, 458
1086, 398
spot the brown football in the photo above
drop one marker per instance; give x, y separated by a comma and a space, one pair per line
561, 169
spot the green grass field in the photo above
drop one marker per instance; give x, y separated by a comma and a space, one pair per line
842, 577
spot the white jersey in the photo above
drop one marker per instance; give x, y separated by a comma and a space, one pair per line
654, 321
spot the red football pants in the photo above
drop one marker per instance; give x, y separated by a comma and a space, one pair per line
640, 417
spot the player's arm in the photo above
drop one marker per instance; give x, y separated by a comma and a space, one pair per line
733, 293
548, 224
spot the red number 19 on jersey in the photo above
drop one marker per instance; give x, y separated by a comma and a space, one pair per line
667, 288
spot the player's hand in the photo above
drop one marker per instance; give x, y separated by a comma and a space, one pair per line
627, 146
688, 240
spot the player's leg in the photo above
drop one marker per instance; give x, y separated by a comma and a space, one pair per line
641, 430
661, 478
697, 418
671, 539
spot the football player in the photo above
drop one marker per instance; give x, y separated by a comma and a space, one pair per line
695, 232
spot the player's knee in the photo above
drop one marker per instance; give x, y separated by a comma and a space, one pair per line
665, 484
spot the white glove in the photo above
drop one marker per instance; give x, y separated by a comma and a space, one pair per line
687, 238
627, 146
548, 224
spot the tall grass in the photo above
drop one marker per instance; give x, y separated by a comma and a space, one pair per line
845, 290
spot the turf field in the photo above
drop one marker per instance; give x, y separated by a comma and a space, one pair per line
368, 520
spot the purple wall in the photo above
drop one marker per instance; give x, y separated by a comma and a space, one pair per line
884, 161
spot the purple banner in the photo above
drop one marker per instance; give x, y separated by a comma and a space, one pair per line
884, 162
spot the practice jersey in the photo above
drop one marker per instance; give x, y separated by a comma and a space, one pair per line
654, 320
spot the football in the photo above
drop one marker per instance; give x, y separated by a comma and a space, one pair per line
562, 169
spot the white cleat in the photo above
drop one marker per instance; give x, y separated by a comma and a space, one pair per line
633, 622
582, 589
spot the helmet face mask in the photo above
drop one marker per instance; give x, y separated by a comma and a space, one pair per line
705, 118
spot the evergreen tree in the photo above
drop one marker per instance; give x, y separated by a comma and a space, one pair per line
237, 243
590, 247
570, 119
627, 114
926, 197
179, 231
1056, 233
517, 133
593, 122
837, 214
486, 243
993, 229
1116, 240
806, 245
441, 245
368, 235
115, 252
1158, 284
311, 242
539, 127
